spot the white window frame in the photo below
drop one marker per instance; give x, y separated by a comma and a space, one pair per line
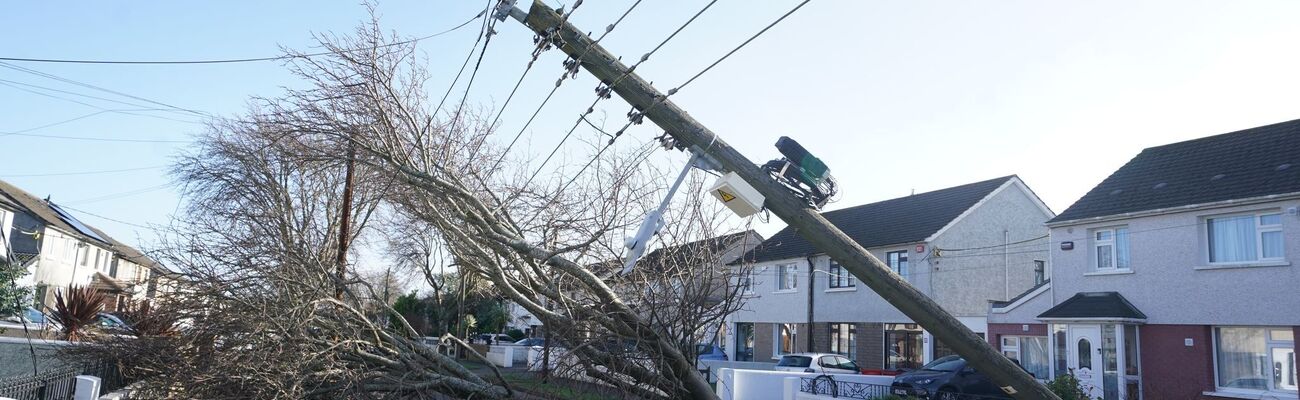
1113, 242
1269, 345
776, 339
787, 273
1260, 230
837, 331
745, 279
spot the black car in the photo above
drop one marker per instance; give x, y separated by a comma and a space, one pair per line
947, 378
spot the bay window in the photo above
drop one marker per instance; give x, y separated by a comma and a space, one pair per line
1244, 238
1255, 359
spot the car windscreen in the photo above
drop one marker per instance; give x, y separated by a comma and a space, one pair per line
948, 364
795, 361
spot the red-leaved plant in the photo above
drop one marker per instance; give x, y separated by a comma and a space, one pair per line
77, 311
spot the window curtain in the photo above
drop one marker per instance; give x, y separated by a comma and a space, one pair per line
1232, 239
1121, 248
1242, 360
1033, 356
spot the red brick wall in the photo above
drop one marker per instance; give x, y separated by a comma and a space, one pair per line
997, 331
1170, 369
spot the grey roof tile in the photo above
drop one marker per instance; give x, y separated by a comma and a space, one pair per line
902, 220
1249, 163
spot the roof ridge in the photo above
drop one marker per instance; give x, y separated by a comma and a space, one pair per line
1261, 129
932, 192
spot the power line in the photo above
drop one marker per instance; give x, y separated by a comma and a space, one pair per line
603, 93
121, 194
541, 43
90, 86
477, 40
996, 245
12, 84
92, 139
83, 172
62, 122
103, 217
742, 45
634, 115
229, 60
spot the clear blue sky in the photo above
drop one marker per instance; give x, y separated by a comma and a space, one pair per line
894, 96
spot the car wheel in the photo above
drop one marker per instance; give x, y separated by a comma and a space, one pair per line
947, 393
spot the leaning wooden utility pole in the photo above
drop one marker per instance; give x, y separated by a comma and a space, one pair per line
795, 212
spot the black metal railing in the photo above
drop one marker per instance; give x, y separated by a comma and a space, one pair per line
59, 383
826, 385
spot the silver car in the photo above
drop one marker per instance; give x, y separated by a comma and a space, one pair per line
819, 363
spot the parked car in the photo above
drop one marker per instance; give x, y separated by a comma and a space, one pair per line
947, 378
709, 351
530, 342
821, 363
111, 323
494, 338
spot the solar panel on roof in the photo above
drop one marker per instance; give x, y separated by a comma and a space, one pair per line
76, 224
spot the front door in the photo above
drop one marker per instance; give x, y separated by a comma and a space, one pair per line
744, 341
1085, 358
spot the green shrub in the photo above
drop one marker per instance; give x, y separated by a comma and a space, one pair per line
1067, 388
516, 334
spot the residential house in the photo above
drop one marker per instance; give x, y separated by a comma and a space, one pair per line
951, 244
691, 283
1175, 277
7, 211
59, 250
695, 272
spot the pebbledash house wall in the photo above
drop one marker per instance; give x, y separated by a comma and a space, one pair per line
1166, 283
963, 284
1172, 282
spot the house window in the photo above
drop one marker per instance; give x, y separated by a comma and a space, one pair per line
844, 338
897, 262
1040, 272
1030, 352
840, 277
85, 254
785, 339
904, 346
744, 341
1059, 351
1257, 359
745, 281
786, 275
1244, 238
1110, 249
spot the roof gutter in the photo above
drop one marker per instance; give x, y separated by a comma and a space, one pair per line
1178, 209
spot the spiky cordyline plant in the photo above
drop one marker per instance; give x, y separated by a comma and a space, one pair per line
77, 311
145, 318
